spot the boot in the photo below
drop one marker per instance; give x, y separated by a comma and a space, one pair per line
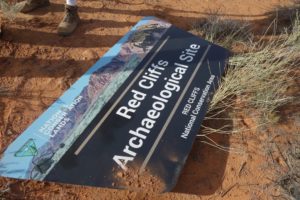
69, 22
30, 5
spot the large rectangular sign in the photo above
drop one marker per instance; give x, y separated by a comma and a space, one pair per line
129, 121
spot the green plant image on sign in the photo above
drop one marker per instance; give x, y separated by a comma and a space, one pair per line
28, 149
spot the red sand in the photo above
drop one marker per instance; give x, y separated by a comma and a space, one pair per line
37, 66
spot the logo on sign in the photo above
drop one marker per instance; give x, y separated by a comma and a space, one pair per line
28, 149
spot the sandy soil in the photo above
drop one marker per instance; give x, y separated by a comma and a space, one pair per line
37, 66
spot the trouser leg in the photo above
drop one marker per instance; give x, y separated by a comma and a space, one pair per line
71, 2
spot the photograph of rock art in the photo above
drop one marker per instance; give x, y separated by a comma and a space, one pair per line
149, 99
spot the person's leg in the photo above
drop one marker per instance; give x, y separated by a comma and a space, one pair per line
70, 20
71, 2
30, 5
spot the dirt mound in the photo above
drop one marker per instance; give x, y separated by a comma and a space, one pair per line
140, 181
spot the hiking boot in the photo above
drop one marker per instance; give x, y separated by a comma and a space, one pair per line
30, 5
69, 22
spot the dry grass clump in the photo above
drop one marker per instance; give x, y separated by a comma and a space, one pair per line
4, 191
260, 77
256, 83
283, 16
224, 32
288, 178
10, 9
284, 159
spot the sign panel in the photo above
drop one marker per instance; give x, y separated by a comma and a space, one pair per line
128, 122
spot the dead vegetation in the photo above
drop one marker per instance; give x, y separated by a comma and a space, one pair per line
224, 32
10, 9
256, 84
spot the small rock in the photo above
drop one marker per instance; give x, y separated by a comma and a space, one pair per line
90, 54
9, 132
120, 174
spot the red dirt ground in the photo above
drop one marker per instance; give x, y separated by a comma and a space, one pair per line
37, 66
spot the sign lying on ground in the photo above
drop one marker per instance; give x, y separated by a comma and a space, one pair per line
130, 120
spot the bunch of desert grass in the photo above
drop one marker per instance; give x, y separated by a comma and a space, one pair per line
256, 84
260, 78
256, 80
224, 32
10, 9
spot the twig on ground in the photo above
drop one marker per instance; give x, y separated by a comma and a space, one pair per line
242, 168
228, 190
